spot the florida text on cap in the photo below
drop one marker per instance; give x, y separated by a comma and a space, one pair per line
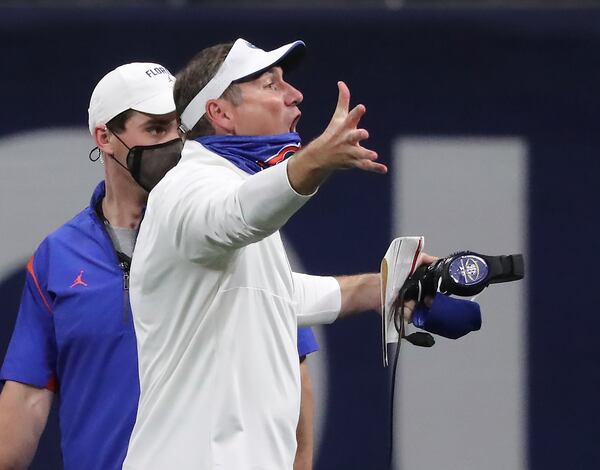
244, 60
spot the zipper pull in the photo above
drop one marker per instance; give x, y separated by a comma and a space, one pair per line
125, 268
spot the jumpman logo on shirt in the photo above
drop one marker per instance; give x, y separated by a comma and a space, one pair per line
78, 281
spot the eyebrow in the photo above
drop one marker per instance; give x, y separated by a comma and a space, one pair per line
159, 121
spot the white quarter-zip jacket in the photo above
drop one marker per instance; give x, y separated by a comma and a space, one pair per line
216, 309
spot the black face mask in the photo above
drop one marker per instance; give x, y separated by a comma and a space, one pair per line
148, 164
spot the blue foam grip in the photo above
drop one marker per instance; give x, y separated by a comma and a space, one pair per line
448, 316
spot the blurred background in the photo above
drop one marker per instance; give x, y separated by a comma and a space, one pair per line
486, 113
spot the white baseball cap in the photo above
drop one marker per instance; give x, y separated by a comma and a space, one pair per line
144, 87
242, 61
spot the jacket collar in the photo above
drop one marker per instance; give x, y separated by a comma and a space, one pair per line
98, 195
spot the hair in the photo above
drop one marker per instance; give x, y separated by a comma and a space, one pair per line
194, 77
118, 123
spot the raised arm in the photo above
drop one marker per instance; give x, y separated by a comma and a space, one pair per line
218, 207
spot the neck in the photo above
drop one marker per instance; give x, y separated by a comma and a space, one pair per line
124, 200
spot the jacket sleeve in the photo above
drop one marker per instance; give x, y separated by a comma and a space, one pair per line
216, 211
31, 354
307, 342
318, 299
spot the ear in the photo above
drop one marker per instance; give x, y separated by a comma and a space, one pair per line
101, 135
219, 113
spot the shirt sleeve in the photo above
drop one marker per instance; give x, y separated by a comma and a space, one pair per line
307, 343
318, 299
31, 354
216, 210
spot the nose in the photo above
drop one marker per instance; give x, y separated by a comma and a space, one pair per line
293, 96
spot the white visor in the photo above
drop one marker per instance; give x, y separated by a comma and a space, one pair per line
243, 60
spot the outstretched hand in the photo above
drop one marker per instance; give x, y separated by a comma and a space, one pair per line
338, 147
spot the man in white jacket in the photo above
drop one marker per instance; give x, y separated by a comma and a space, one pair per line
216, 305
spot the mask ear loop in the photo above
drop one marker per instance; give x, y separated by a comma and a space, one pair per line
99, 155
91, 154
96, 149
112, 156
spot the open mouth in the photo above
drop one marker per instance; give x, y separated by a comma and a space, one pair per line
294, 123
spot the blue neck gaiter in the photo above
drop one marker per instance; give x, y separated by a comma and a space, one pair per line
253, 153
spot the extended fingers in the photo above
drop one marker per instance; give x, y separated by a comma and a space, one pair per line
364, 159
364, 154
356, 135
355, 115
373, 167
343, 102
